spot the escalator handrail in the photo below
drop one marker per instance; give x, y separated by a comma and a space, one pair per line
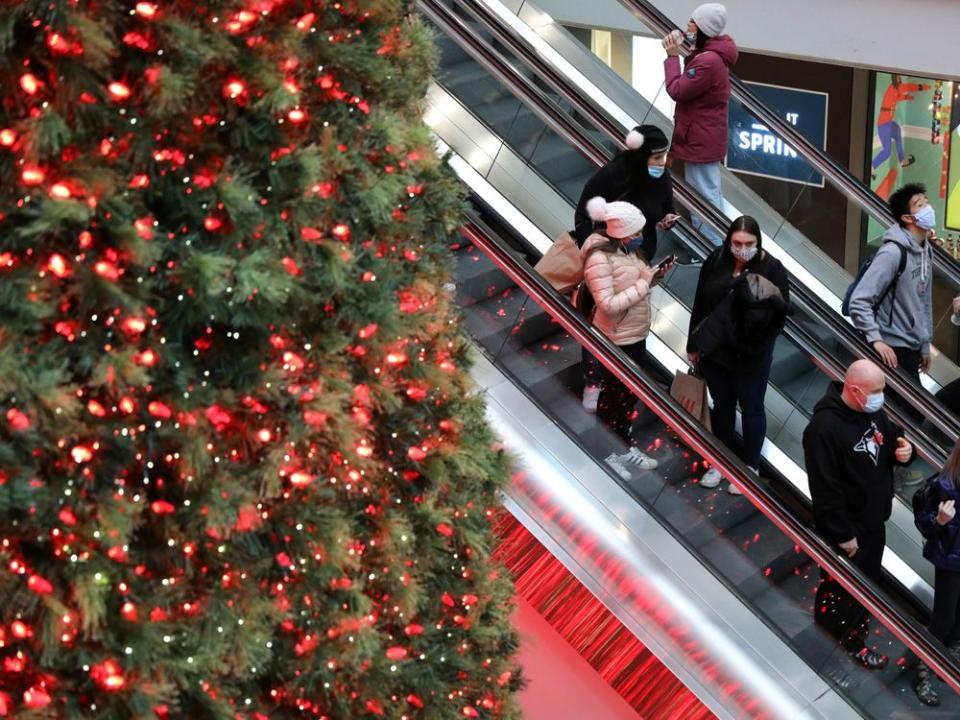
691, 433
899, 382
838, 175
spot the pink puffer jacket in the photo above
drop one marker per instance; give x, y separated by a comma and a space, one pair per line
621, 297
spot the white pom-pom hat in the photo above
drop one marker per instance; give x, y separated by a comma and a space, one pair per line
623, 219
634, 140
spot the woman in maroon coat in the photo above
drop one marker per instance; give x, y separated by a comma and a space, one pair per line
702, 93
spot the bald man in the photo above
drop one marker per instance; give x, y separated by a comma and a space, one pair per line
850, 448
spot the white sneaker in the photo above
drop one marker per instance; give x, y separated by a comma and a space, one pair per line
734, 490
616, 462
591, 395
641, 460
711, 478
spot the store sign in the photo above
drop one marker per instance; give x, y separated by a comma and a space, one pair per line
755, 150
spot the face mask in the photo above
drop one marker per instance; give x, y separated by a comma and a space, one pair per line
634, 244
745, 254
873, 403
656, 170
691, 37
926, 218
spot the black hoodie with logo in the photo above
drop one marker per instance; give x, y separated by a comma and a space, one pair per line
850, 460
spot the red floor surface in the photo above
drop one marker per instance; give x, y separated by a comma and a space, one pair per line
561, 684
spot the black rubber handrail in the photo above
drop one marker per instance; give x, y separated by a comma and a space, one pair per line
838, 175
689, 430
925, 404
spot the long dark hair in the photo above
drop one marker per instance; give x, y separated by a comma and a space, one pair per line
746, 224
701, 40
952, 468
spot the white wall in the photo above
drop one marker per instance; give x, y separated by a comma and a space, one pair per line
917, 37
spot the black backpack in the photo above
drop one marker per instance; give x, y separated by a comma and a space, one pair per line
845, 307
923, 499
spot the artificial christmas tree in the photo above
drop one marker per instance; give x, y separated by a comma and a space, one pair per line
241, 471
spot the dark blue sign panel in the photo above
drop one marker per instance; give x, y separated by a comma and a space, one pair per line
753, 149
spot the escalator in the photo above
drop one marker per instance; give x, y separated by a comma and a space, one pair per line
608, 106
752, 546
815, 352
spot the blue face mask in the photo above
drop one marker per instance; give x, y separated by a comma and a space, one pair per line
635, 244
873, 403
691, 37
926, 218
656, 170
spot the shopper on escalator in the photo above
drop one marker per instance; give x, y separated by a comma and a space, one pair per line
618, 282
740, 307
702, 93
638, 176
940, 525
892, 302
850, 449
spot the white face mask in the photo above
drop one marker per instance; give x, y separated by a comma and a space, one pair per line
744, 254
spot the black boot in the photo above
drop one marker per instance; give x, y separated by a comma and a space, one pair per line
923, 686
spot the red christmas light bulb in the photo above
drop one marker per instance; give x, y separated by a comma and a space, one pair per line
118, 91
17, 420
133, 325
32, 175
146, 10
30, 84
7, 137
81, 454
299, 478
297, 116
106, 270
36, 698
58, 265
60, 191
234, 89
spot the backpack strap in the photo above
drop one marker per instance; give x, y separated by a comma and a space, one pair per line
901, 266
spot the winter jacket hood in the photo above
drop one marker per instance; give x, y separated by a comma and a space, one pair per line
702, 92
620, 296
942, 547
850, 459
905, 317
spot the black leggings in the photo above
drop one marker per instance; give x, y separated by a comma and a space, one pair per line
616, 403
945, 621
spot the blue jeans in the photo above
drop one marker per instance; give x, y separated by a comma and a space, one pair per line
728, 388
705, 179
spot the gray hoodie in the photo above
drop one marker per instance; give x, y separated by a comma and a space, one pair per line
905, 319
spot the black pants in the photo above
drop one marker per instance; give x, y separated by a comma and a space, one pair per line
945, 621
836, 610
616, 403
909, 360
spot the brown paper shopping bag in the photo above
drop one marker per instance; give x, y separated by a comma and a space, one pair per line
561, 265
691, 391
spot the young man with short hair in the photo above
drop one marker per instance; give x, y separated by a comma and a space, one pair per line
895, 313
